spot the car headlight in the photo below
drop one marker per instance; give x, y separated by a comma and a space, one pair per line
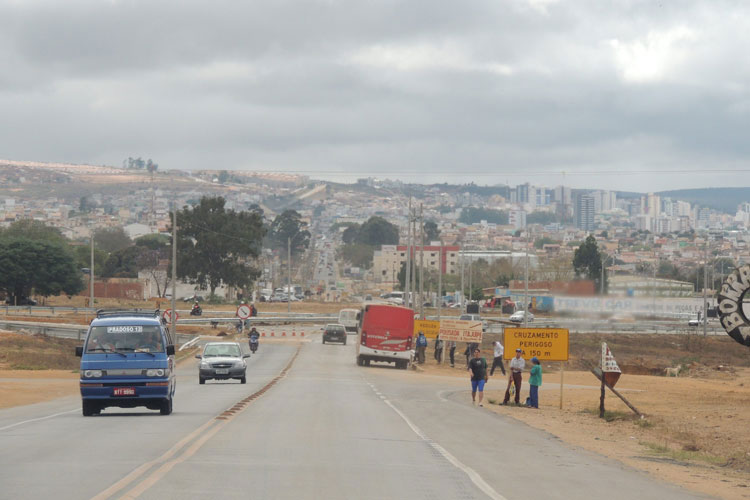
204, 364
156, 372
239, 364
92, 373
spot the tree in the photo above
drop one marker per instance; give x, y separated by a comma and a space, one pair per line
587, 261
350, 234
39, 267
431, 231
122, 263
358, 254
215, 244
541, 218
111, 239
288, 226
82, 254
471, 215
34, 230
223, 176
377, 231
153, 258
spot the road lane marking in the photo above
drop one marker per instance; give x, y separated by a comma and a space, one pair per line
38, 419
191, 444
473, 475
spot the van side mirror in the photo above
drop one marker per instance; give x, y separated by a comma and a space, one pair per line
79, 351
170, 350
245, 355
198, 356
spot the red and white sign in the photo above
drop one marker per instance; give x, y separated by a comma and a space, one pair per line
244, 311
167, 316
458, 330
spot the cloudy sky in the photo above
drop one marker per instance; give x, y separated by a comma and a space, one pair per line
633, 94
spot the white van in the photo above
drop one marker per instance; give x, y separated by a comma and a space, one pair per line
350, 319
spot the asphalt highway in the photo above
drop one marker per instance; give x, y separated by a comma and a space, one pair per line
327, 429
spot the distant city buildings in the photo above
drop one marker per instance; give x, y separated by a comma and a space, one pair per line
584, 212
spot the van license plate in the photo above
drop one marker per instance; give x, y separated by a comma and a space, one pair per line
124, 391
222, 371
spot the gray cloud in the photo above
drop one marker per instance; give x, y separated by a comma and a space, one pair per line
421, 90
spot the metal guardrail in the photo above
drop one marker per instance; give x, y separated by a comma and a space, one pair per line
255, 320
60, 330
53, 309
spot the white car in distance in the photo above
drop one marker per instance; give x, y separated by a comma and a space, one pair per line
518, 317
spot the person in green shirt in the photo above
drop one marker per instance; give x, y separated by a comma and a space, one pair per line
535, 380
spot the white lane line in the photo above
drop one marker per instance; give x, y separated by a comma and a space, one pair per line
38, 419
473, 475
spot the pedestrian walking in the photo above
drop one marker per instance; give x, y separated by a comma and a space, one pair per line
421, 347
438, 348
535, 380
516, 366
478, 369
452, 352
498, 359
469, 350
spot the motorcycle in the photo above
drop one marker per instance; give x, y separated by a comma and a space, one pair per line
196, 311
253, 345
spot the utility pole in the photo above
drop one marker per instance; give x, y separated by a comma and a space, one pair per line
91, 274
413, 291
289, 274
705, 278
526, 281
471, 276
407, 277
440, 281
173, 316
421, 263
461, 259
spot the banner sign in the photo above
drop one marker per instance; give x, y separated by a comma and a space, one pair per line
547, 344
428, 327
458, 330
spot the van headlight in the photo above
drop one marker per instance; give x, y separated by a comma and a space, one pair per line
91, 373
156, 372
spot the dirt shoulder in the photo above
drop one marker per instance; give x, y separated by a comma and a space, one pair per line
693, 434
25, 387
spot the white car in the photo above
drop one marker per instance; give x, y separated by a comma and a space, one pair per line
518, 317
474, 317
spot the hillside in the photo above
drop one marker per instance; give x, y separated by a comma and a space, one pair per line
724, 199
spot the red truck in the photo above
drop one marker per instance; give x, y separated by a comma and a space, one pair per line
385, 333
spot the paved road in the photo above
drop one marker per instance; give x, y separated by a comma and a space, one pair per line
329, 429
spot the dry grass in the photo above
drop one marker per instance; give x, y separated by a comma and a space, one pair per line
37, 352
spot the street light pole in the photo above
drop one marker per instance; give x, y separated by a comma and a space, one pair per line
289, 275
526, 285
705, 286
91, 274
421, 263
407, 277
173, 316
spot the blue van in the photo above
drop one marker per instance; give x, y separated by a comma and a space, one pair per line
127, 360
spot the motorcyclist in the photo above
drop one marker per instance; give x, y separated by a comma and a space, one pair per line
196, 310
254, 337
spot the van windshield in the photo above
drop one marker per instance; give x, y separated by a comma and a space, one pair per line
128, 338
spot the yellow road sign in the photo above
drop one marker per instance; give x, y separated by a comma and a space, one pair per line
547, 344
460, 330
429, 327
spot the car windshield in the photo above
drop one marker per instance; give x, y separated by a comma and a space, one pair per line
131, 338
224, 350
335, 329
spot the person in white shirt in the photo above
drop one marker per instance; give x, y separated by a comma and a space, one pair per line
498, 361
516, 366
